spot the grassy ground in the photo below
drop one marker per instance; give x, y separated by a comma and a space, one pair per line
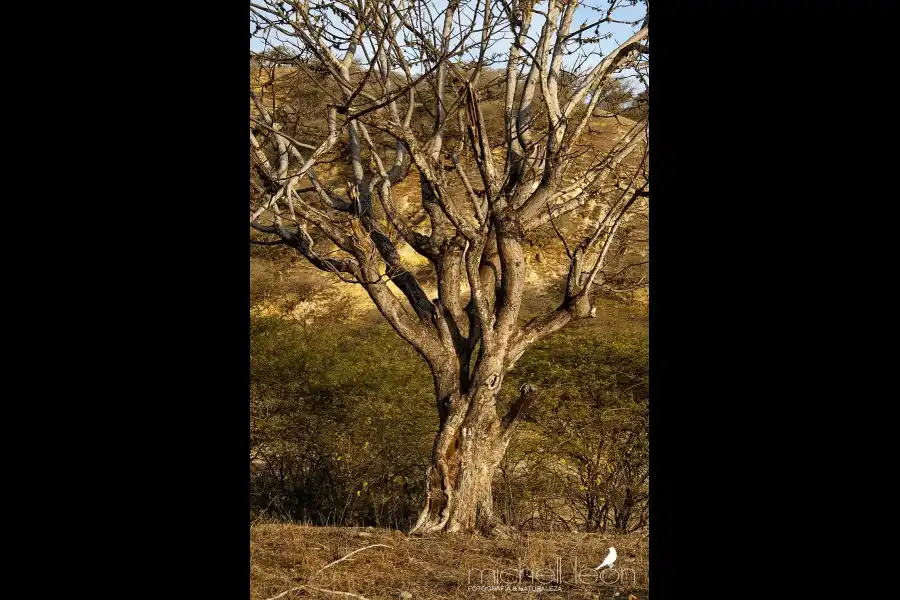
287, 556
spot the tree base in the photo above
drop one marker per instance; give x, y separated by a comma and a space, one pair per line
487, 527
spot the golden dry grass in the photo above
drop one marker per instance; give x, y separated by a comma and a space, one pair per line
285, 556
284, 284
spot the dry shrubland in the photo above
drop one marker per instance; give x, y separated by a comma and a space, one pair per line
342, 424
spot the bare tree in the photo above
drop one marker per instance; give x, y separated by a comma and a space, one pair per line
418, 57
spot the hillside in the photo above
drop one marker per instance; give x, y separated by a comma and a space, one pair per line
285, 557
283, 283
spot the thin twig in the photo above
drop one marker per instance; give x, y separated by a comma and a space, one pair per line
336, 592
300, 587
348, 556
276, 596
310, 587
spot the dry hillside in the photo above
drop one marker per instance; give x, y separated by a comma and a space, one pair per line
283, 283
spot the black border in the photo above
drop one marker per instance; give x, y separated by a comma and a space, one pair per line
723, 321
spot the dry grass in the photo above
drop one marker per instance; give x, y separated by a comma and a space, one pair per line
282, 283
285, 556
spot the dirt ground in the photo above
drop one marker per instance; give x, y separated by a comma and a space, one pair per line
287, 559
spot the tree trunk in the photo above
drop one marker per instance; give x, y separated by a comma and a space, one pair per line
468, 449
459, 480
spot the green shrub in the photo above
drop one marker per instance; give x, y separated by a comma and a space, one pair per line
342, 422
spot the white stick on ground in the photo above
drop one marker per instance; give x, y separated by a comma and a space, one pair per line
300, 587
348, 556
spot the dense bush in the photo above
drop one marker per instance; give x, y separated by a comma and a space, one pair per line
341, 425
580, 460
342, 422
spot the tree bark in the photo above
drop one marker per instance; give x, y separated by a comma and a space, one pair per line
470, 444
467, 452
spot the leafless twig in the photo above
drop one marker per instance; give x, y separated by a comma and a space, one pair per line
305, 586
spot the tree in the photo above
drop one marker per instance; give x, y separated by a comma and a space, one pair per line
419, 58
615, 96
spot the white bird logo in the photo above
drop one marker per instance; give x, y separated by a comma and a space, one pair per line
609, 560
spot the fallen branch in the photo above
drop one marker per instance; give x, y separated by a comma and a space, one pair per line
310, 587
300, 587
336, 592
348, 556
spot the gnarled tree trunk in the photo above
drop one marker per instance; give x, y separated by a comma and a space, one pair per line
468, 448
470, 443
458, 483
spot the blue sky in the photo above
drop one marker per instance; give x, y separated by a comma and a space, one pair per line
583, 14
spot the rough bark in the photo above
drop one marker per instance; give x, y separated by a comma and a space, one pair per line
467, 450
